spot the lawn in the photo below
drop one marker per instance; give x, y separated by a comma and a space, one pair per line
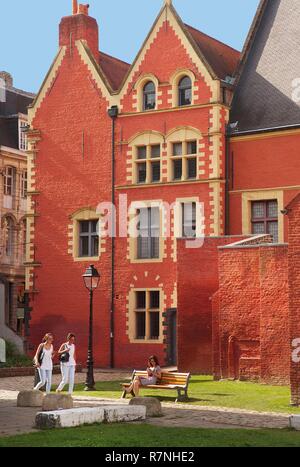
206, 392
142, 435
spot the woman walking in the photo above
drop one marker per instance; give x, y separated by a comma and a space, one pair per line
154, 375
67, 357
43, 360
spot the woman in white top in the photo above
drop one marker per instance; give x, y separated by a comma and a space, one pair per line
67, 353
43, 360
153, 377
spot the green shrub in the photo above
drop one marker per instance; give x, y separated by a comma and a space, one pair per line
14, 358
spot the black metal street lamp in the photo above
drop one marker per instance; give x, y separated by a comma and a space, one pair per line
91, 279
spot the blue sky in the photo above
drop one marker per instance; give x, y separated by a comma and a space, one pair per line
29, 29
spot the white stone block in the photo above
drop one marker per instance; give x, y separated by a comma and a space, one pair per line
70, 418
295, 422
121, 413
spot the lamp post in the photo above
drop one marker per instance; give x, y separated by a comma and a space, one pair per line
91, 279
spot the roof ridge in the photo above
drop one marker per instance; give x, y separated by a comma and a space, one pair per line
213, 38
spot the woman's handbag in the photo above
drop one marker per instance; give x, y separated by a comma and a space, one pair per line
64, 357
40, 355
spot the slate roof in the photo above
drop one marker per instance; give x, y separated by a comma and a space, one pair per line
222, 58
15, 101
270, 64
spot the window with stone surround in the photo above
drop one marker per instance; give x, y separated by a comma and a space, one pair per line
22, 135
147, 315
149, 96
264, 218
89, 238
148, 163
24, 184
189, 225
148, 241
184, 160
185, 91
85, 235
9, 181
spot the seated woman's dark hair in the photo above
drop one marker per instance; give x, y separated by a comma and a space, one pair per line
153, 357
70, 335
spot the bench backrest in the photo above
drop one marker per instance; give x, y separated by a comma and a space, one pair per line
180, 379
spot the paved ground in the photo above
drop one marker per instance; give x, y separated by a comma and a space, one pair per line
14, 420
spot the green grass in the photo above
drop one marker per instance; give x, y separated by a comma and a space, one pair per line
142, 435
204, 391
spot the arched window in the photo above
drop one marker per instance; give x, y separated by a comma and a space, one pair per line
185, 91
149, 96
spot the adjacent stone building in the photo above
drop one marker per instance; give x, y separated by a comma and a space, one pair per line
13, 206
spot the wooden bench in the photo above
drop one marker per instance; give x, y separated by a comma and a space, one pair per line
176, 381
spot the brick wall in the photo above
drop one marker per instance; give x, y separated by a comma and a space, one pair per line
253, 313
294, 295
197, 277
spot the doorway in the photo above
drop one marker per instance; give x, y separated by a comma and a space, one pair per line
172, 337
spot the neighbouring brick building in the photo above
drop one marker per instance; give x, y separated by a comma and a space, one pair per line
153, 133
13, 205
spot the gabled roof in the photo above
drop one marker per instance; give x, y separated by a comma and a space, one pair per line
215, 59
114, 69
222, 58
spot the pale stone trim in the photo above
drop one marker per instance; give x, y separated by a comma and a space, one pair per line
263, 195
47, 84
131, 314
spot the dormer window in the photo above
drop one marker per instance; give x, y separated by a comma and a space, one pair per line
149, 96
185, 91
22, 135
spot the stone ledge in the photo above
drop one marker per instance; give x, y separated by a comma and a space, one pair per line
29, 371
69, 418
89, 415
294, 422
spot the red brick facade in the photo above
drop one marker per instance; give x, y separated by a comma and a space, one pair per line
71, 170
228, 321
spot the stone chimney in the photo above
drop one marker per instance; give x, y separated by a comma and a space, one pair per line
7, 78
80, 26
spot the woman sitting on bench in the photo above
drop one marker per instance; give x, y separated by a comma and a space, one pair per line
154, 375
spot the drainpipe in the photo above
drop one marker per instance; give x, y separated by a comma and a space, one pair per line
113, 114
227, 180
